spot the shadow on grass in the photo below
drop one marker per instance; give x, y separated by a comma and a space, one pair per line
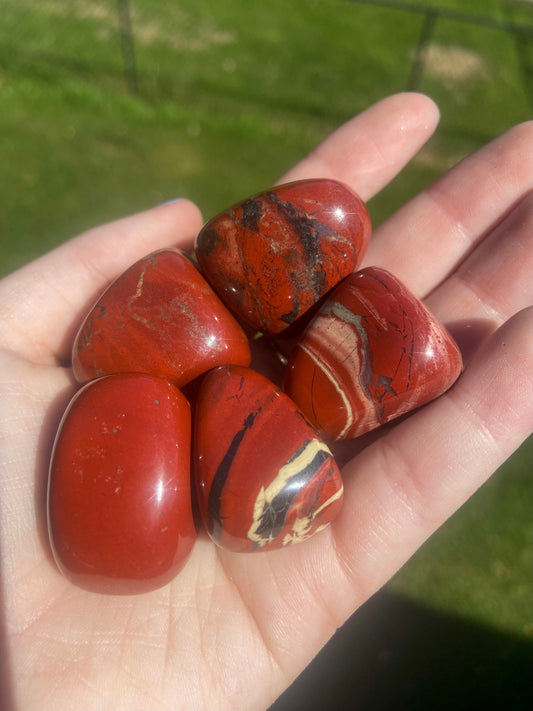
395, 654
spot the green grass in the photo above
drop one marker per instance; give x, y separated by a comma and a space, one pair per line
231, 94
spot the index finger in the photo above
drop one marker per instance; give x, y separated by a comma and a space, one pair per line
372, 148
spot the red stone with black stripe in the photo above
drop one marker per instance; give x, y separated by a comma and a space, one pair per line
264, 479
273, 256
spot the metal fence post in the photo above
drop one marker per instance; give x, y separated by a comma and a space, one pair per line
419, 58
128, 45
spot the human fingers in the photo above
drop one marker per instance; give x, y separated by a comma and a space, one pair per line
424, 241
399, 489
403, 487
492, 284
425, 467
366, 152
370, 149
43, 302
488, 288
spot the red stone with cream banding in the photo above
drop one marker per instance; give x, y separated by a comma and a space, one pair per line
373, 352
264, 479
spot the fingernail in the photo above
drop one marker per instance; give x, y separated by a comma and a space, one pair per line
169, 202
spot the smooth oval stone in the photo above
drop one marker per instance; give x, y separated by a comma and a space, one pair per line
162, 318
119, 501
264, 480
273, 256
371, 353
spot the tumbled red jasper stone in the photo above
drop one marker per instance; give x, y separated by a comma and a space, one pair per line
264, 479
119, 501
372, 353
273, 256
160, 317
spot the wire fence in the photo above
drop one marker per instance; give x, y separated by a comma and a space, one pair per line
431, 15
30, 30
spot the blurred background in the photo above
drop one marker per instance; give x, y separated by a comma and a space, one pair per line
108, 107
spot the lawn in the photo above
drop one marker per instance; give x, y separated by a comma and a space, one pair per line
223, 98
230, 95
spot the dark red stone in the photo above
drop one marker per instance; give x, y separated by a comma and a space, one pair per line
273, 256
160, 317
119, 500
372, 353
264, 479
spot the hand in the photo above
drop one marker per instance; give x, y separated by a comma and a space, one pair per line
233, 630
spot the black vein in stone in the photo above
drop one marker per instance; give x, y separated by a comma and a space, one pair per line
311, 232
272, 519
222, 473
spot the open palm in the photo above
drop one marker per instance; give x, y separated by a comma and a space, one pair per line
233, 630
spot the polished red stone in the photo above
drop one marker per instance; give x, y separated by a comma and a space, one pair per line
160, 317
273, 256
264, 479
119, 500
372, 353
